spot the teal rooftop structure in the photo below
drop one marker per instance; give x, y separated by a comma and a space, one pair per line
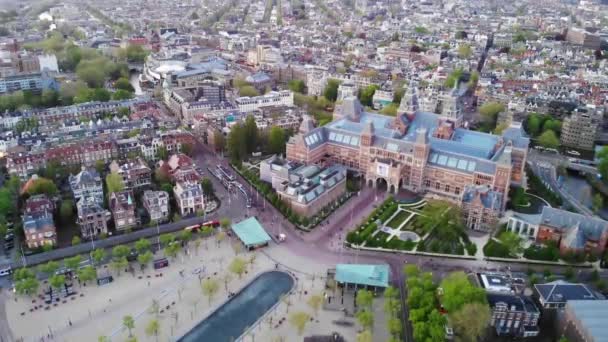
362, 275
251, 233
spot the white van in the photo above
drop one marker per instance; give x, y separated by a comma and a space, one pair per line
5, 271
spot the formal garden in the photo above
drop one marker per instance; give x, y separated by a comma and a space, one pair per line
433, 227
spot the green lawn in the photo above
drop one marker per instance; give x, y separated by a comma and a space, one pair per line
398, 219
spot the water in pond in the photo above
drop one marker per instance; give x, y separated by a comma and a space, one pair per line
230, 320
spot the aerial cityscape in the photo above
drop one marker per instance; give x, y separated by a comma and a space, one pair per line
303, 170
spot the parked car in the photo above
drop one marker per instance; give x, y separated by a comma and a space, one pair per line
6, 271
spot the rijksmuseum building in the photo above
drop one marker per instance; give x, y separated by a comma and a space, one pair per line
426, 153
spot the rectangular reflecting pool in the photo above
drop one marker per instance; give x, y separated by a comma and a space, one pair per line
230, 320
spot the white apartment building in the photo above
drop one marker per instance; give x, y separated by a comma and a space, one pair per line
274, 98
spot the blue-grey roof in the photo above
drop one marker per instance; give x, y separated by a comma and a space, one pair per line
489, 198
560, 291
258, 77
37, 222
579, 228
593, 316
370, 275
517, 136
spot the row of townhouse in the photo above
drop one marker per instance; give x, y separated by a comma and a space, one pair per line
87, 152
56, 116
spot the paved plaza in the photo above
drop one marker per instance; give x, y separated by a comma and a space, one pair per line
100, 309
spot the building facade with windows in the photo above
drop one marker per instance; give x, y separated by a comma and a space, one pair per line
423, 152
122, 205
274, 98
189, 197
38, 226
157, 205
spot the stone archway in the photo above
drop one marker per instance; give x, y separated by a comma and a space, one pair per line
370, 182
381, 183
392, 189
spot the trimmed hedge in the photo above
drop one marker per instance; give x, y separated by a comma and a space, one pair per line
496, 249
549, 252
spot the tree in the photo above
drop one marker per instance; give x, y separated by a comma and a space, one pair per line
299, 320
331, 90
87, 273
237, 143
57, 281
7, 205
76, 241
391, 110
548, 139
365, 336
394, 326
114, 183
366, 319
129, 323
42, 186
142, 245
66, 211
458, 290
513, 242
238, 266
598, 202
453, 78
25, 281
172, 249
276, 140
185, 235
364, 299
153, 328
166, 239
534, 124
602, 167
248, 91
225, 223
489, 111
207, 186
101, 95
464, 51
251, 134
366, 95
98, 255
296, 86
552, 124
121, 94
72, 263
119, 264
93, 75
49, 268
120, 251
471, 329
124, 84
315, 302
144, 258
209, 288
